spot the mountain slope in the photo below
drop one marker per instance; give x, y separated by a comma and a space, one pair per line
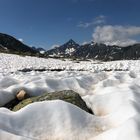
40, 50
11, 45
65, 50
96, 51
104, 52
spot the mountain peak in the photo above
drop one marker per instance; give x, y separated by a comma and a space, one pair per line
71, 42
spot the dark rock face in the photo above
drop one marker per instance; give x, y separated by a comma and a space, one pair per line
2, 48
66, 95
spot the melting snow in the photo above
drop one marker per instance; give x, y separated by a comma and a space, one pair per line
110, 89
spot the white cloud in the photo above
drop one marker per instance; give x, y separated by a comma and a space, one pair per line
100, 20
54, 46
116, 35
84, 43
20, 39
96, 21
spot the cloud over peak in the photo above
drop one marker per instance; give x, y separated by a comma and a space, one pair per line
116, 35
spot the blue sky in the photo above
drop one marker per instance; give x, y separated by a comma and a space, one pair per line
44, 23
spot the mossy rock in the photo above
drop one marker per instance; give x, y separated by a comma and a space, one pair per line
66, 95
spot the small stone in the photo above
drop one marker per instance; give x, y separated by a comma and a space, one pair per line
21, 95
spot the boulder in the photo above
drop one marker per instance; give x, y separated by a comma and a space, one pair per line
66, 95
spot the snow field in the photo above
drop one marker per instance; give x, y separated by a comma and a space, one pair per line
114, 97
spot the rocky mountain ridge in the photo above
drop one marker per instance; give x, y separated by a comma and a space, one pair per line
71, 49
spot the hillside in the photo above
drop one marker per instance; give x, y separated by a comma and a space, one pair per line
10, 44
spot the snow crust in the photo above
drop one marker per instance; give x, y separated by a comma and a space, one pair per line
110, 89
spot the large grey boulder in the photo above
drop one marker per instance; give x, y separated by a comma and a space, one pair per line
66, 95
